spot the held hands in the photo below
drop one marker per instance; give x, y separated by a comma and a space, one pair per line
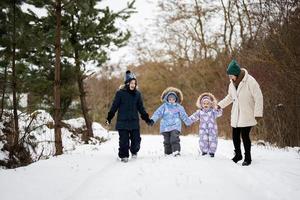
107, 122
258, 119
214, 105
147, 119
150, 122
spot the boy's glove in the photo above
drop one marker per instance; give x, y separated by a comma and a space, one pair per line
146, 118
109, 118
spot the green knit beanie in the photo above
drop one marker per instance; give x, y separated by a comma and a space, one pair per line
233, 68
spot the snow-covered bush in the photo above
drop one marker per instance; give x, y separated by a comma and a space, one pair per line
37, 135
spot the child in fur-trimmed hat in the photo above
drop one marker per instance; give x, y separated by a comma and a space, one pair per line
171, 114
208, 129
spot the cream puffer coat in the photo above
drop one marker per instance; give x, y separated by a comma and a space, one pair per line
247, 102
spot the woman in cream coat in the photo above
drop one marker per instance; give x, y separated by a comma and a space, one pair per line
247, 107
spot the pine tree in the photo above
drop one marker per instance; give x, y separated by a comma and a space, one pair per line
90, 32
8, 55
84, 35
52, 65
52, 51
14, 45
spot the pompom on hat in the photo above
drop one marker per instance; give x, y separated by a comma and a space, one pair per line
129, 76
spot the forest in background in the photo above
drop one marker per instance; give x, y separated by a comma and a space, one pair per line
264, 36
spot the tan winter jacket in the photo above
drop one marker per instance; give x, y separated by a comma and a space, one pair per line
247, 102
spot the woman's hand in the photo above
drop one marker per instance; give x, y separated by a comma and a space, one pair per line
258, 119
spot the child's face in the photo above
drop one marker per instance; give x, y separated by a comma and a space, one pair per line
132, 84
171, 99
207, 104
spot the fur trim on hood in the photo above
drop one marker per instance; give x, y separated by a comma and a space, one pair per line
212, 97
175, 90
121, 87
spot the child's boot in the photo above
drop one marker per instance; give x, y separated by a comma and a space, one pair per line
176, 153
134, 156
125, 160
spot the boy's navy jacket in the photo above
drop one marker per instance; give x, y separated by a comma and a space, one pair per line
128, 104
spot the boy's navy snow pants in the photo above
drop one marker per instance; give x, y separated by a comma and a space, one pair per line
129, 140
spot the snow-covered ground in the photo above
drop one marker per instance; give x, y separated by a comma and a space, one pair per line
94, 172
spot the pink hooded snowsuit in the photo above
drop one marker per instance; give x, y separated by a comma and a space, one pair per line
208, 129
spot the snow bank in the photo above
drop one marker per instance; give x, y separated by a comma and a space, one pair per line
37, 130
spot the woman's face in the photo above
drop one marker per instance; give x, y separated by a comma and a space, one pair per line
232, 77
132, 84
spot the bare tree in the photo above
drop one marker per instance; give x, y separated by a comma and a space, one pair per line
199, 13
248, 18
225, 27
184, 27
240, 19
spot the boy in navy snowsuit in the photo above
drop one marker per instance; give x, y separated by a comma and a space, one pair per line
128, 102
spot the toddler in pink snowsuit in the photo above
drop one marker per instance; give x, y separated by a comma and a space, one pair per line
208, 129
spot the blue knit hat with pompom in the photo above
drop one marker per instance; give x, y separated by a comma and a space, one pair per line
129, 76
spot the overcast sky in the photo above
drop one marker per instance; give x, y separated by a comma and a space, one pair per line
137, 23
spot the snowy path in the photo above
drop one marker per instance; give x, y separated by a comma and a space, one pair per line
95, 173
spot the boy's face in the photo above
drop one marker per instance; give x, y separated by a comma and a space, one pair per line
206, 104
132, 84
171, 99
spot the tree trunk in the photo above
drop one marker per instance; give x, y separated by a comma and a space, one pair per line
89, 133
240, 22
3, 91
225, 27
249, 19
89, 130
231, 25
14, 82
199, 15
57, 106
